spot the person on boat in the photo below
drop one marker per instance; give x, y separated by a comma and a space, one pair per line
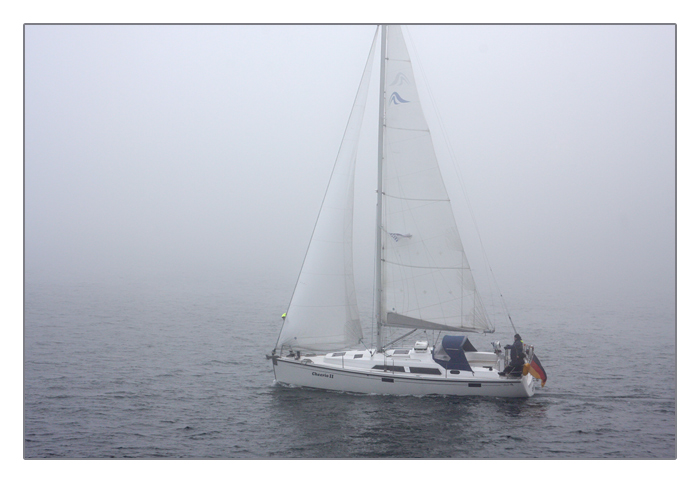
516, 348
517, 357
515, 368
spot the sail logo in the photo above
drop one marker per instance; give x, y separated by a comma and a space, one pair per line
398, 236
396, 99
400, 80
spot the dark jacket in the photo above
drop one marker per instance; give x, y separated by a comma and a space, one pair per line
515, 350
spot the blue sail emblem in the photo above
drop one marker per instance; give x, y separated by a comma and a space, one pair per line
400, 79
396, 99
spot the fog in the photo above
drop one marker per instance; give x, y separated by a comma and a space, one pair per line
177, 150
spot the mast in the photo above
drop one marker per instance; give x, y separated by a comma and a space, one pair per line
380, 157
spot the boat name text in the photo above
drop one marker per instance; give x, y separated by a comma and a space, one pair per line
322, 375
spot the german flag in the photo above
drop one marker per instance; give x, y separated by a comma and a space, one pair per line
537, 370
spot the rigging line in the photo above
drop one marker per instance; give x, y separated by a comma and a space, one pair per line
415, 199
362, 341
433, 268
395, 128
459, 176
398, 339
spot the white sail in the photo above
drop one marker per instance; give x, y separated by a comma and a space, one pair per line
427, 281
423, 279
323, 313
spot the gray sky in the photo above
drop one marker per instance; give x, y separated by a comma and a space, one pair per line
180, 149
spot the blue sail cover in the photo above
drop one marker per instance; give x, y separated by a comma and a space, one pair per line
449, 353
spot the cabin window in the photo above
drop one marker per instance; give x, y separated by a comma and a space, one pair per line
357, 356
338, 354
402, 351
390, 368
425, 370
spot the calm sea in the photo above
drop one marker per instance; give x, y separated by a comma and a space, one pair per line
176, 368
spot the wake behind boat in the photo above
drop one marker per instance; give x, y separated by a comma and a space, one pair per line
423, 281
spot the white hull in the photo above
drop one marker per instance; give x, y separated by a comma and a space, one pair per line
348, 374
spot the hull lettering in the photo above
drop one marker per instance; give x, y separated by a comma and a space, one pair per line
329, 376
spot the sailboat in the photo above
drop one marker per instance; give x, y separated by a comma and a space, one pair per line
423, 282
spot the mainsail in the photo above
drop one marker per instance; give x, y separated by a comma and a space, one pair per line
426, 278
323, 313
